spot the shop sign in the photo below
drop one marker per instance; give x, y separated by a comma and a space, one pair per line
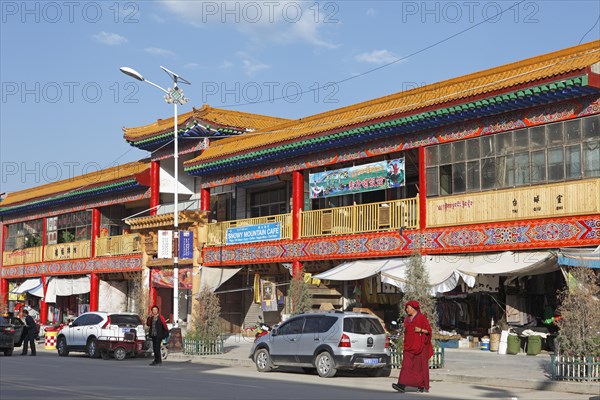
361, 178
165, 244
186, 244
254, 233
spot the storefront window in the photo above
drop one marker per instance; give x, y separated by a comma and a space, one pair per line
22, 235
591, 157
74, 226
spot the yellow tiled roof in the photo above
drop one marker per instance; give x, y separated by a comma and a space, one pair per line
77, 183
496, 79
227, 118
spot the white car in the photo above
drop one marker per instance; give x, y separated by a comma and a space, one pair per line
84, 333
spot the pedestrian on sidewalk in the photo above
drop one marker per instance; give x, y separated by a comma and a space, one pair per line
158, 331
417, 350
31, 333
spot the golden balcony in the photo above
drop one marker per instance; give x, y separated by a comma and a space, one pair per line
67, 251
22, 256
118, 245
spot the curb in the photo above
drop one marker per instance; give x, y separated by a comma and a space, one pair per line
233, 362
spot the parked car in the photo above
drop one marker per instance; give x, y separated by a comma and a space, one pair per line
20, 330
327, 341
83, 333
7, 336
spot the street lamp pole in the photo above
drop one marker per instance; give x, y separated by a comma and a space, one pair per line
173, 96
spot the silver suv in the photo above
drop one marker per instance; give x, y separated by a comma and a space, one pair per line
83, 333
327, 341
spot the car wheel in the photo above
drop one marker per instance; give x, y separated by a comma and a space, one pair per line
61, 346
262, 359
8, 352
120, 354
325, 365
92, 348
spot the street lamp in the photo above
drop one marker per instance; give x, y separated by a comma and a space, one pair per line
173, 96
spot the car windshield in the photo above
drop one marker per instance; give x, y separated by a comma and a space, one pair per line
362, 326
125, 319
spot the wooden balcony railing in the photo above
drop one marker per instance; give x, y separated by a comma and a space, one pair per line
24, 256
217, 231
118, 245
67, 251
363, 218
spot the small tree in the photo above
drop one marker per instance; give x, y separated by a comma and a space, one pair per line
417, 287
301, 297
207, 324
579, 323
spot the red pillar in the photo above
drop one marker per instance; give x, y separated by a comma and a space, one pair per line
205, 199
3, 293
422, 189
44, 238
94, 284
154, 186
43, 304
153, 295
297, 203
3, 282
95, 230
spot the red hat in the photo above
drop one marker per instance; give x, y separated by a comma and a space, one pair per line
414, 304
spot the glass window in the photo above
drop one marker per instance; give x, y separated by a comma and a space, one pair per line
556, 164
505, 171
473, 149
458, 151
591, 127
459, 184
521, 139
573, 130
311, 324
445, 180
432, 181
93, 319
363, 326
473, 175
431, 155
538, 166
487, 146
591, 159
488, 173
537, 137
504, 143
573, 161
522, 168
554, 133
446, 153
292, 327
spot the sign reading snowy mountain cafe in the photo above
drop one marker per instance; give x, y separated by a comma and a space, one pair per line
254, 233
361, 178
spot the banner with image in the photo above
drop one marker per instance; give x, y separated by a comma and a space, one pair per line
357, 179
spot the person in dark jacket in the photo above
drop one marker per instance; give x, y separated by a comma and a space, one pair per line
31, 333
158, 331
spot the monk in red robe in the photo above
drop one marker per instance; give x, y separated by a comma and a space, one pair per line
417, 350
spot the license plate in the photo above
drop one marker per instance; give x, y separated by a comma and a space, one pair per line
371, 360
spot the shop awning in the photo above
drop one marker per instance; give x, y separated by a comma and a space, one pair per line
446, 271
32, 286
359, 269
584, 257
213, 277
66, 287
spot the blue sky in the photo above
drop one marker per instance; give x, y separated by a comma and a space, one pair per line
64, 101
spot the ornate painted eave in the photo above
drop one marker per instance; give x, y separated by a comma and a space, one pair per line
198, 123
111, 188
538, 95
166, 220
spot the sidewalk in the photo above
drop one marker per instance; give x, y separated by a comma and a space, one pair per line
464, 366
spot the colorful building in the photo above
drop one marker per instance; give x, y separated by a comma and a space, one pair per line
502, 160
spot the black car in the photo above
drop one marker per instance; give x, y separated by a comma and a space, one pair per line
7, 336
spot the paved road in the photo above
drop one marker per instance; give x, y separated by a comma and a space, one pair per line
49, 377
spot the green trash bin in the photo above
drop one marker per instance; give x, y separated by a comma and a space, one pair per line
513, 344
534, 345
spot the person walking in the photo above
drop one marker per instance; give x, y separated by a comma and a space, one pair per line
417, 350
31, 333
158, 331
